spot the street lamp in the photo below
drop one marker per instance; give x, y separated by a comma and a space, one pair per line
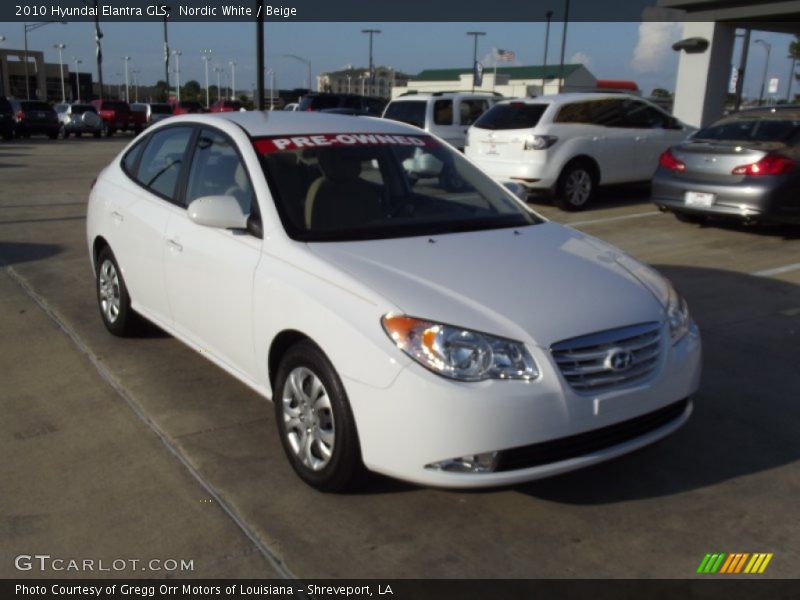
135, 73
548, 15
77, 61
768, 46
206, 52
218, 70
233, 79
371, 32
60, 48
126, 60
271, 74
31, 27
475, 35
177, 54
563, 46
306, 62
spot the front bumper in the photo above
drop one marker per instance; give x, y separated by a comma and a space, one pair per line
767, 198
423, 419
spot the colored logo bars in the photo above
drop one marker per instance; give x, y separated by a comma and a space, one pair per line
740, 562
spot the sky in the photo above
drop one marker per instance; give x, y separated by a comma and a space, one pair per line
639, 52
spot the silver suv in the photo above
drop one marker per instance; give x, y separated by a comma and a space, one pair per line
78, 119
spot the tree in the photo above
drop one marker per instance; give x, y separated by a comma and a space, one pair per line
192, 90
794, 54
661, 93
162, 90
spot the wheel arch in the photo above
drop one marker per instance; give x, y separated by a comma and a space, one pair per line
588, 161
278, 348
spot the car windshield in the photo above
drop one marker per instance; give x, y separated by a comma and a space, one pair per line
161, 109
516, 115
751, 130
346, 187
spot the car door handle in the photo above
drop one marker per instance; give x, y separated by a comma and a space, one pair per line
639, 138
117, 216
174, 245
599, 138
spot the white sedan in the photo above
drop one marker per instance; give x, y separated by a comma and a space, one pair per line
454, 339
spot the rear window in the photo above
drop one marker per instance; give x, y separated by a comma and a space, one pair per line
517, 115
161, 109
751, 130
28, 105
227, 104
190, 105
411, 112
319, 102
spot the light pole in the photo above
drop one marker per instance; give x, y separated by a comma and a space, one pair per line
206, 52
77, 61
218, 70
475, 35
135, 73
31, 27
126, 60
271, 74
768, 46
304, 61
371, 32
791, 79
60, 48
233, 79
177, 54
563, 46
166, 54
548, 15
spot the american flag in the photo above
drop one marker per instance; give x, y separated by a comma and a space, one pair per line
504, 55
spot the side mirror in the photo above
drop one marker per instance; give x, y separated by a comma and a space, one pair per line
223, 212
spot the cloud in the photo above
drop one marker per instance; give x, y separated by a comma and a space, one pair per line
655, 41
581, 58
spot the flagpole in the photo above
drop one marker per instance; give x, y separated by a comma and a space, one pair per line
494, 80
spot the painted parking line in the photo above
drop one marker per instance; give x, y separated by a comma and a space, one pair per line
641, 215
777, 270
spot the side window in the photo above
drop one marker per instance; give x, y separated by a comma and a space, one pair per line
443, 112
131, 158
607, 113
471, 110
577, 112
639, 115
162, 159
217, 170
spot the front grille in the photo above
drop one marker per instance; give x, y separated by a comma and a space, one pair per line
591, 363
553, 451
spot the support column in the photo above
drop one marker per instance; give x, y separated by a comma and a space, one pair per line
702, 85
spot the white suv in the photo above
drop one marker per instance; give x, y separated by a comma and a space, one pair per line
571, 143
447, 115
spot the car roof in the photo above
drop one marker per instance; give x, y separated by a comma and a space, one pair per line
786, 111
446, 94
279, 122
570, 97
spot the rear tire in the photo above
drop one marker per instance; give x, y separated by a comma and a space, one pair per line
112, 296
576, 186
315, 423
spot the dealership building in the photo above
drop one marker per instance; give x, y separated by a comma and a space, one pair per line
706, 55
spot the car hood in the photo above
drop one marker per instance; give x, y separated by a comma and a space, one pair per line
539, 284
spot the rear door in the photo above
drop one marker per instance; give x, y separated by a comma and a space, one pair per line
443, 121
139, 212
499, 134
209, 271
652, 131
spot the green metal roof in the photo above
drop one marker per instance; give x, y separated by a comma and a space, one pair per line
529, 72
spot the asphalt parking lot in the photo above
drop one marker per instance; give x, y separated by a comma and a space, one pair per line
141, 448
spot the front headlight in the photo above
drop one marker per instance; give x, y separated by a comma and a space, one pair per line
677, 315
459, 353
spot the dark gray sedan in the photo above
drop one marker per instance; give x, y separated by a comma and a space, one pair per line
745, 166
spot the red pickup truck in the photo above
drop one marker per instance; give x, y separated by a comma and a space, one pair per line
118, 116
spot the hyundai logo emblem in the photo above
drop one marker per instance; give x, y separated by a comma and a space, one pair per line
619, 360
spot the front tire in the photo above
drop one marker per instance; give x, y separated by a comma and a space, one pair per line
315, 423
112, 296
576, 186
